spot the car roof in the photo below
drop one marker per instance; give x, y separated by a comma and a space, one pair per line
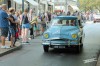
96, 16
66, 17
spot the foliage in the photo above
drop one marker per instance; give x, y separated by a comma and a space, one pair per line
89, 5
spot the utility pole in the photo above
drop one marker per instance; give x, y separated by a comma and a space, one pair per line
66, 6
22, 5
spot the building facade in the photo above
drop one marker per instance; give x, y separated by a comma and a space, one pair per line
8, 2
39, 6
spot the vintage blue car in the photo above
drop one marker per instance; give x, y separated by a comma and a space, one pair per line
63, 32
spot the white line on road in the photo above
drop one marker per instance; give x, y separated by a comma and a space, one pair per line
90, 60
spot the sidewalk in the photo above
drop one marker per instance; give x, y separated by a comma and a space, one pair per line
98, 62
7, 51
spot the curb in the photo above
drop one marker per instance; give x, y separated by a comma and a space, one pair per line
11, 50
98, 60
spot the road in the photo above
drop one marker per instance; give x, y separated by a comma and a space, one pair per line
33, 54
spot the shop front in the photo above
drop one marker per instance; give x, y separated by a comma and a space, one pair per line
51, 7
73, 8
8, 2
43, 6
17, 4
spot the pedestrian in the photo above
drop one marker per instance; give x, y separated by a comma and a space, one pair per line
17, 25
35, 25
46, 18
68, 13
43, 24
79, 18
25, 27
31, 16
0, 35
0, 29
12, 27
4, 24
20, 25
53, 15
49, 16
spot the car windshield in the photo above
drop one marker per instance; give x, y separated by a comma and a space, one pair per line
64, 22
97, 16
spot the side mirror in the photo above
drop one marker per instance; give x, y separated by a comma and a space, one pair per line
81, 26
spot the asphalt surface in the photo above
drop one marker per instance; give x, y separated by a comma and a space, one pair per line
33, 54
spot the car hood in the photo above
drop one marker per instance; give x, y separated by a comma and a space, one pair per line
62, 32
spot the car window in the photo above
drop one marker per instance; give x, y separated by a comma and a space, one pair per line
54, 22
63, 22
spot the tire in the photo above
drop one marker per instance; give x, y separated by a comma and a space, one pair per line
78, 49
46, 48
94, 21
81, 42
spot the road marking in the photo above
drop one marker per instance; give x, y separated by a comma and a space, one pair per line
90, 60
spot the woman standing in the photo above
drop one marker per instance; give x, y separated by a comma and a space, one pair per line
17, 25
25, 27
12, 27
20, 25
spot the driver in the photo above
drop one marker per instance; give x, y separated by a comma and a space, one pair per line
67, 23
60, 22
72, 22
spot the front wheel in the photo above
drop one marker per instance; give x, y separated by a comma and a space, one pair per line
81, 42
78, 49
46, 48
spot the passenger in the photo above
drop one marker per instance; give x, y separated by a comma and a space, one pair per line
72, 23
67, 23
59, 22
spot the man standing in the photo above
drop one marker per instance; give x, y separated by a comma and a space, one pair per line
4, 25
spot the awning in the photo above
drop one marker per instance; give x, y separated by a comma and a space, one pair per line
50, 3
32, 2
19, 1
75, 8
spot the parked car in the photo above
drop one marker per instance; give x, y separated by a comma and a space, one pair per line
63, 32
97, 18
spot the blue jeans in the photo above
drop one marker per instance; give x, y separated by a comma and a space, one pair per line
12, 32
27, 25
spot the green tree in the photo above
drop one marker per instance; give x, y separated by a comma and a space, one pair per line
89, 5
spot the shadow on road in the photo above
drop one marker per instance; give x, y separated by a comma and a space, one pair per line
64, 51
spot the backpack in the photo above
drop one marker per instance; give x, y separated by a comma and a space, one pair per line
24, 19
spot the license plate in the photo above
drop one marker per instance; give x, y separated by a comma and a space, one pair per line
59, 46
55, 46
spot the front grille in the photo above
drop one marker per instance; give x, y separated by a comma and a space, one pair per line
97, 20
59, 41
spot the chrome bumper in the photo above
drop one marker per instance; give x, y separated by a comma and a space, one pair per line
59, 43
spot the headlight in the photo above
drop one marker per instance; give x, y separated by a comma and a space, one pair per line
74, 36
46, 36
